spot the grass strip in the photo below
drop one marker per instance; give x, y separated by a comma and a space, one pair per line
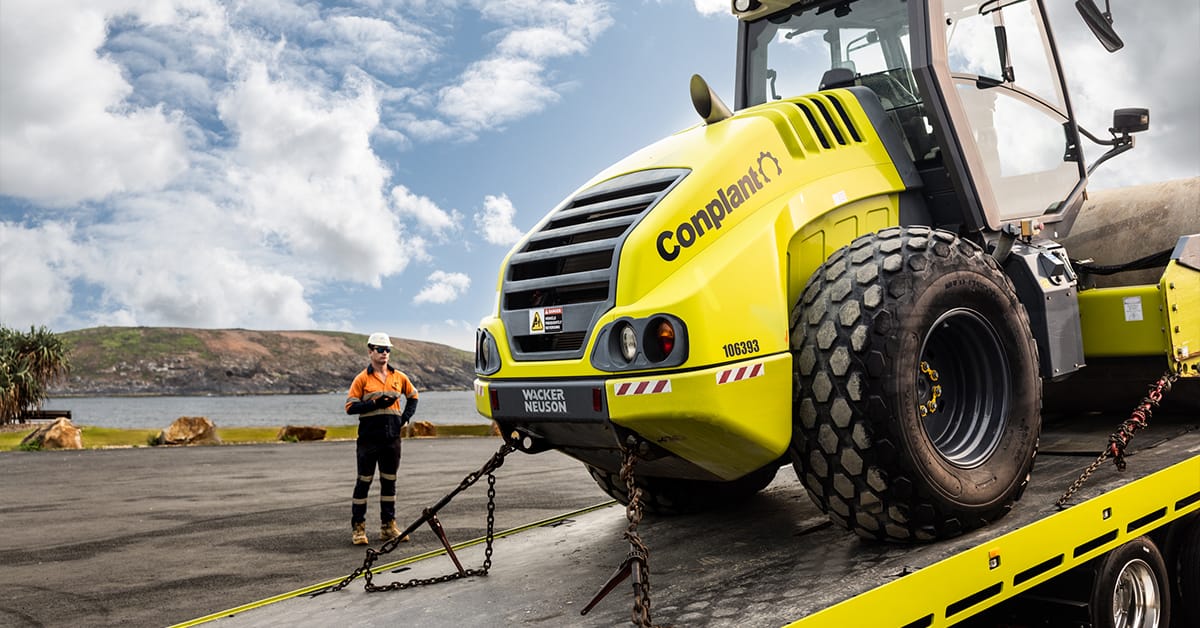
105, 437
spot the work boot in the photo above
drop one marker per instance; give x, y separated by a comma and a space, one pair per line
389, 531
359, 537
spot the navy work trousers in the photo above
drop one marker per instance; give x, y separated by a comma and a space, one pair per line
384, 453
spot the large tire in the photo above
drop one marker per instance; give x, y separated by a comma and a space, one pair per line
1130, 588
871, 319
671, 496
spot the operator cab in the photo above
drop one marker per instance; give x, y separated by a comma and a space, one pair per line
975, 88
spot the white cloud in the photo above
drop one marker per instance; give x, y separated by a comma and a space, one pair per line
495, 91
443, 287
67, 133
304, 166
209, 287
539, 43
495, 222
35, 273
428, 214
390, 48
513, 83
428, 130
711, 7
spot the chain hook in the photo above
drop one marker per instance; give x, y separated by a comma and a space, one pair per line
1117, 442
429, 515
636, 563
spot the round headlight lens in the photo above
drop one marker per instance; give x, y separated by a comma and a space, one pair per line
628, 340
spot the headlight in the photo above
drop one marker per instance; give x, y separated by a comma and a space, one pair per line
628, 340
487, 355
626, 344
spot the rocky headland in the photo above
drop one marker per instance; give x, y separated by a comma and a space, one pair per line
179, 361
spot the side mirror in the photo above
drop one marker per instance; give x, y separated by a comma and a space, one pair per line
1100, 23
1133, 120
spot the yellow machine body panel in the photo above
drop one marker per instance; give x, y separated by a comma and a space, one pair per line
1142, 320
1180, 286
1122, 322
767, 198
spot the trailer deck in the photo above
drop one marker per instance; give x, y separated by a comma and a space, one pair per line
777, 559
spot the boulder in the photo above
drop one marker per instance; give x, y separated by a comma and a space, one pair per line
61, 434
301, 433
418, 429
190, 430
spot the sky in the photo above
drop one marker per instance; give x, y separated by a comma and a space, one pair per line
365, 165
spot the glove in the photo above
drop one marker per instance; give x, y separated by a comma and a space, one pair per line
384, 401
410, 408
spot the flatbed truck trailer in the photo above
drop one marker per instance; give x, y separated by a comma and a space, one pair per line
863, 269
778, 561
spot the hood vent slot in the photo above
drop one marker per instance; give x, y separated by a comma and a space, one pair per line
828, 121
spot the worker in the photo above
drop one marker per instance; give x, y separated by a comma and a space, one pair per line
375, 397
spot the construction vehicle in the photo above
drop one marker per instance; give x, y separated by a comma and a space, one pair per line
860, 272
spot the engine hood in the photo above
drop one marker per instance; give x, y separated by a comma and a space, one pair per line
651, 214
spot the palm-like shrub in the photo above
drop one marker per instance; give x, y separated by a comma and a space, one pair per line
29, 363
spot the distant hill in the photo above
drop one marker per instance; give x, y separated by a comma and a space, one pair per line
180, 361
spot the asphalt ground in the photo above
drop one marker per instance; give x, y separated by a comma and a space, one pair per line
159, 536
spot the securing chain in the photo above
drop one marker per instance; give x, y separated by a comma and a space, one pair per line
488, 469
1119, 440
638, 551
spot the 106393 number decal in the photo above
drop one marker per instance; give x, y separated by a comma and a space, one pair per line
744, 347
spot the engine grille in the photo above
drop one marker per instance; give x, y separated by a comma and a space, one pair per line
569, 262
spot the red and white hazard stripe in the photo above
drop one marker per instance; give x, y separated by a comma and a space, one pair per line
742, 372
479, 389
648, 387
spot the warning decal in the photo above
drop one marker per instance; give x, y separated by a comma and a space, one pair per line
740, 373
650, 387
546, 320
1133, 309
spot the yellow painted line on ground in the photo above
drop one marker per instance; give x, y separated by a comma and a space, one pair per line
381, 568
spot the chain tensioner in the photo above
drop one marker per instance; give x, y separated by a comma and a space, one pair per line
636, 563
429, 515
1119, 440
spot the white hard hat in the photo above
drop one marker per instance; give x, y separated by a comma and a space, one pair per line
379, 339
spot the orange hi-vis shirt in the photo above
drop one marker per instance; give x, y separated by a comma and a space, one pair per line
367, 386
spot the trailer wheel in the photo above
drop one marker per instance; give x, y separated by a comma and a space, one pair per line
673, 496
917, 396
1183, 568
1130, 588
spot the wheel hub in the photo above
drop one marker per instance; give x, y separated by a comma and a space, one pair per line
1135, 598
963, 387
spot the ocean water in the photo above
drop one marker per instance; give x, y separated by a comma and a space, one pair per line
437, 407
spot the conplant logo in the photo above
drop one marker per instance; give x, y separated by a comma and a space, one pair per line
724, 201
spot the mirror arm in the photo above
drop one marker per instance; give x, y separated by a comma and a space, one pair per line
1120, 145
1113, 142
